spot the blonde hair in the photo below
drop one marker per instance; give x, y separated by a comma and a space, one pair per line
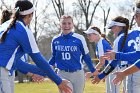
66, 17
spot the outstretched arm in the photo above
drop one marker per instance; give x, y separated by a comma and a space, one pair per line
108, 69
129, 56
25, 67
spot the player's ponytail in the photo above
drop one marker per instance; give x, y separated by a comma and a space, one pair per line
125, 29
6, 15
22, 9
14, 18
104, 36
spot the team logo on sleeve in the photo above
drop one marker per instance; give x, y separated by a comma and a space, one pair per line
56, 42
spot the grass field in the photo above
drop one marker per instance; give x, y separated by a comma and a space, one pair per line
49, 87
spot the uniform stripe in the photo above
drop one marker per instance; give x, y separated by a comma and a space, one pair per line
84, 46
131, 86
83, 42
82, 66
11, 60
31, 39
100, 46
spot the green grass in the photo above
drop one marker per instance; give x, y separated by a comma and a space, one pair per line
49, 87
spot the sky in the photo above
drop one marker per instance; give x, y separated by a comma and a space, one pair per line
68, 6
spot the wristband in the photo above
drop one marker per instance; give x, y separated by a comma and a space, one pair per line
108, 69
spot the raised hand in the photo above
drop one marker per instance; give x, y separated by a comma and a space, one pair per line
64, 87
110, 55
119, 77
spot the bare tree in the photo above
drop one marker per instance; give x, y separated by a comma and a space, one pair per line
85, 6
105, 17
36, 22
127, 11
58, 7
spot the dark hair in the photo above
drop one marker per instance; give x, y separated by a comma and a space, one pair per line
138, 4
19, 6
102, 35
125, 28
6, 15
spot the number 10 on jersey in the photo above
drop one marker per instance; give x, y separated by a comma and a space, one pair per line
66, 56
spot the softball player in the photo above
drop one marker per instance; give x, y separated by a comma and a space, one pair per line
18, 40
23, 62
123, 43
68, 52
133, 79
102, 45
22, 65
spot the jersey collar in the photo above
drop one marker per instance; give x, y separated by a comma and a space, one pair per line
22, 21
67, 35
120, 32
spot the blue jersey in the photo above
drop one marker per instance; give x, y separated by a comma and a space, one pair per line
20, 40
25, 67
101, 48
134, 42
129, 46
68, 52
132, 56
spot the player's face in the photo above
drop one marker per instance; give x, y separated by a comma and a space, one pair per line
115, 30
28, 18
92, 37
66, 25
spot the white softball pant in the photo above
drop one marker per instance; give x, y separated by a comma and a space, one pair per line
111, 88
6, 81
77, 79
133, 83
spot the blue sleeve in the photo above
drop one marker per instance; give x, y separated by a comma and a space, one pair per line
22, 71
137, 63
89, 62
130, 56
111, 66
52, 59
25, 67
85, 53
44, 65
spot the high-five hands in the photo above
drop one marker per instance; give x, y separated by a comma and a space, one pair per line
64, 87
91, 75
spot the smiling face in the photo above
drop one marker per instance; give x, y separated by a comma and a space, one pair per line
66, 25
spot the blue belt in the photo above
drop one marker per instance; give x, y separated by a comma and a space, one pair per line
126, 65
